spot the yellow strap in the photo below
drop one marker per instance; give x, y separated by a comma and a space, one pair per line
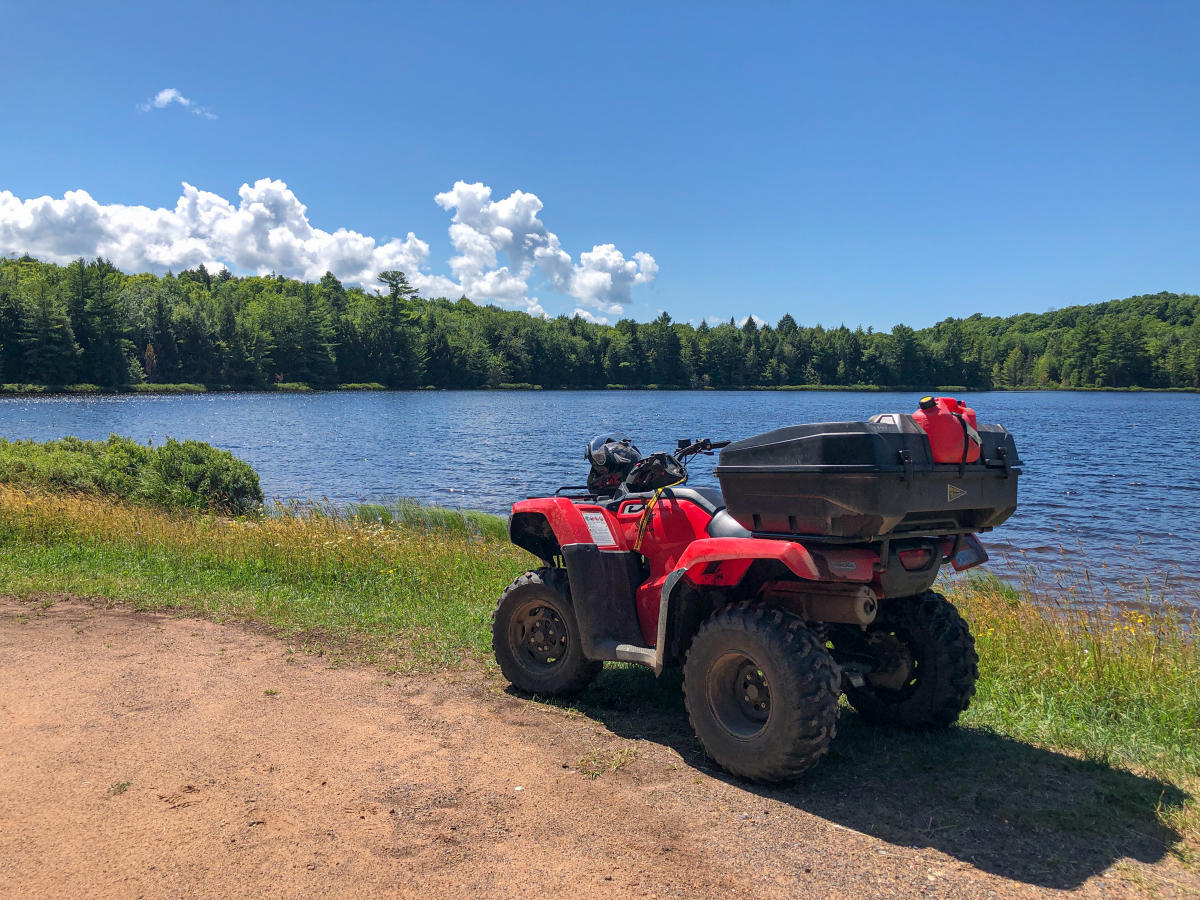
644, 521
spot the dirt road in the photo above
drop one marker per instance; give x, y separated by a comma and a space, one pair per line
149, 755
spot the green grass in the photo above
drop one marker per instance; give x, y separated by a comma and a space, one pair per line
407, 594
411, 514
412, 589
1120, 686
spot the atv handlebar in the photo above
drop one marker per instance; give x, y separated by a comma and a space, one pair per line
686, 447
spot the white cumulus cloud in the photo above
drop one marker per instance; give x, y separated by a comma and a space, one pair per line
588, 316
167, 96
484, 228
269, 231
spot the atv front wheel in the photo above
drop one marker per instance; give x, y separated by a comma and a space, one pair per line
925, 665
761, 692
536, 639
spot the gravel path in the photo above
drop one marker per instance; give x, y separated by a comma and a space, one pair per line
145, 754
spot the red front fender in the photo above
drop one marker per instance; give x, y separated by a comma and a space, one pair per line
564, 518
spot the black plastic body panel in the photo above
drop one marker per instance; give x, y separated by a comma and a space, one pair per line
532, 532
861, 481
603, 593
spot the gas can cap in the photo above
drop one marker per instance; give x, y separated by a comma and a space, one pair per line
927, 403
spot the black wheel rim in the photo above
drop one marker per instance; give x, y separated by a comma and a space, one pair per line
739, 695
538, 636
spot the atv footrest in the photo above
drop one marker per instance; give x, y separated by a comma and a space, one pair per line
629, 653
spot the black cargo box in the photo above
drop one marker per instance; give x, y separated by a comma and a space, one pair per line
860, 481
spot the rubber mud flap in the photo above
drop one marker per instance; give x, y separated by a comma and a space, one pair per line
603, 592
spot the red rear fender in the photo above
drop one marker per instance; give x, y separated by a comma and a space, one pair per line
700, 554
732, 557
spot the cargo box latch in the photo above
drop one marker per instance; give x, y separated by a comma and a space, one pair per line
906, 460
1002, 460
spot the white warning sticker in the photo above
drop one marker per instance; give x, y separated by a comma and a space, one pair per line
598, 529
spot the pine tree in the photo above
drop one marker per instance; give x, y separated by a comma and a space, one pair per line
50, 349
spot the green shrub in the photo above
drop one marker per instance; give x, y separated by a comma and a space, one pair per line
363, 386
183, 388
296, 387
177, 475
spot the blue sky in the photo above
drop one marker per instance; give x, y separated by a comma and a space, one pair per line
865, 163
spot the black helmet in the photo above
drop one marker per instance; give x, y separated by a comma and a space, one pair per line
658, 470
611, 457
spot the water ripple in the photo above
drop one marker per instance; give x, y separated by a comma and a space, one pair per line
1110, 479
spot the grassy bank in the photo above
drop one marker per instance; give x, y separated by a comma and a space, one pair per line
402, 586
411, 588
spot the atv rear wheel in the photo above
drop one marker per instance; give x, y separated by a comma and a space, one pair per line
761, 692
925, 664
536, 639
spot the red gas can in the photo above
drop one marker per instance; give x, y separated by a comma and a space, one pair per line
951, 425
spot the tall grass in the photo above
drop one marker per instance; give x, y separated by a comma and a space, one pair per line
406, 513
411, 594
1120, 684
413, 589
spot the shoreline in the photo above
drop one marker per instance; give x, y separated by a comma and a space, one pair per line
169, 390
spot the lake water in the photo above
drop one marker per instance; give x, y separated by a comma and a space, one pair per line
1111, 484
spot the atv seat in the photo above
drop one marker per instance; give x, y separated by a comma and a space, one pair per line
708, 499
724, 525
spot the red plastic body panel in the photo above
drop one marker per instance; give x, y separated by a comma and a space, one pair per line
792, 555
845, 564
676, 537
674, 527
564, 516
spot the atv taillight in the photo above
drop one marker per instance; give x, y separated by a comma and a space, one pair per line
916, 558
970, 554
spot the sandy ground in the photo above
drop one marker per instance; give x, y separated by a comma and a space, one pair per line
152, 755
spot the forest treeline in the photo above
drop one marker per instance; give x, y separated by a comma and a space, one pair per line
88, 323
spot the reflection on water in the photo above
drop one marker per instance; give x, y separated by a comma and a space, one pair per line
1113, 476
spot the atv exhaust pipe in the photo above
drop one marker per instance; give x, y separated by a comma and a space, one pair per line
853, 606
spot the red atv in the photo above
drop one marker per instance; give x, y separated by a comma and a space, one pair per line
806, 576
